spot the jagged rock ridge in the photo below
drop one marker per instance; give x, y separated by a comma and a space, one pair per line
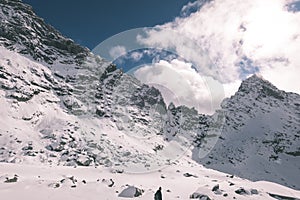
22, 30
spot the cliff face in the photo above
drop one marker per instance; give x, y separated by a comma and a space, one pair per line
22, 30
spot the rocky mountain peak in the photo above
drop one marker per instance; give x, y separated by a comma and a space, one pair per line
257, 86
22, 30
260, 136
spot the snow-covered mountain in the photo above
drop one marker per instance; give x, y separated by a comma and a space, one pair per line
62, 105
261, 135
55, 99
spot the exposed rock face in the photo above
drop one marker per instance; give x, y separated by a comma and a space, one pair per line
22, 30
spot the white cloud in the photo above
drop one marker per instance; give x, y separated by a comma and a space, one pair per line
224, 32
179, 83
117, 51
136, 56
192, 6
232, 86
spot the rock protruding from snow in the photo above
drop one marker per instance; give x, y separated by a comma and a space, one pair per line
216, 189
131, 192
199, 196
11, 180
242, 191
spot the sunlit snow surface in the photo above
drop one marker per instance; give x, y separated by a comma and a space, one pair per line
41, 182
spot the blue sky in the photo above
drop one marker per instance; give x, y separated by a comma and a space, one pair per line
90, 22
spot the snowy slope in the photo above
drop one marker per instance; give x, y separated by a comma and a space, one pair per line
261, 135
45, 120
184, 180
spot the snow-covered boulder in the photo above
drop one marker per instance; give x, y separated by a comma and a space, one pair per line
200, 196
131, 192
242, 191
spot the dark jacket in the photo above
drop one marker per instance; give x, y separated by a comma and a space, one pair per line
158, 195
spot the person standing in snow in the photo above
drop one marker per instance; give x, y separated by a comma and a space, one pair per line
158, 195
